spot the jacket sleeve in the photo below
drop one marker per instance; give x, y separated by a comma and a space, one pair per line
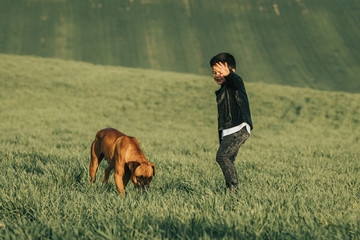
234, 81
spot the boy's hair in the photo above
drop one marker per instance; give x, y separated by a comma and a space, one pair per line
224, 57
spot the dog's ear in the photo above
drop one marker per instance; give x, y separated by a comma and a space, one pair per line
133, 166
153, 167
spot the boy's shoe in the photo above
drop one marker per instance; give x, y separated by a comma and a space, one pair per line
232, 188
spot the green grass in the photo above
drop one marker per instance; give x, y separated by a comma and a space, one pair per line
299, 171
305, 43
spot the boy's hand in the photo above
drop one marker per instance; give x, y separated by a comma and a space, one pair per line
222, 69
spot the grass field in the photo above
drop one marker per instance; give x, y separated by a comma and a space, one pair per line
299, 171
304, 43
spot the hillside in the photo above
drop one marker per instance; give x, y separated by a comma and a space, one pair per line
306, 43
298, 171
40, 93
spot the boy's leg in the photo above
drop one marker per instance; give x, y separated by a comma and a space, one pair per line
234, 183
227, 153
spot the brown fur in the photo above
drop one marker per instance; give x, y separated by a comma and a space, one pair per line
123, 154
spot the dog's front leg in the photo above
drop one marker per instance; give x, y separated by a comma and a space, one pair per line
118, 175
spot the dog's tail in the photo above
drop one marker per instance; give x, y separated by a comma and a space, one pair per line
95, 158
96, 148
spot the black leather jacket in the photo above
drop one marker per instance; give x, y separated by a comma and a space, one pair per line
232, 103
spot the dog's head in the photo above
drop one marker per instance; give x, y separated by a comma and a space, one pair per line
142, 173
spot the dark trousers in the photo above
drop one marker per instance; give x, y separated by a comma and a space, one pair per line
226, 154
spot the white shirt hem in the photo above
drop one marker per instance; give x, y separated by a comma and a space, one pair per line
235, 129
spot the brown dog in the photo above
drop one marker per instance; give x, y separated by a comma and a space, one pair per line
123, 154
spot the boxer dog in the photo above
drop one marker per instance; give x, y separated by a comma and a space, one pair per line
123, 154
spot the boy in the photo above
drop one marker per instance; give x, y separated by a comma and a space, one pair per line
234, 118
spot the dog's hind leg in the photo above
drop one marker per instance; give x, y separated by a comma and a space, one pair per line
107, 174
96, 157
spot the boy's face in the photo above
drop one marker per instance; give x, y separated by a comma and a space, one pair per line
218, 77
220, 71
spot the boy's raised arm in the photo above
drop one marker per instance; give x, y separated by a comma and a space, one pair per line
233, 80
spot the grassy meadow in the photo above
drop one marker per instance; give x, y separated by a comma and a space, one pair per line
299, 171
